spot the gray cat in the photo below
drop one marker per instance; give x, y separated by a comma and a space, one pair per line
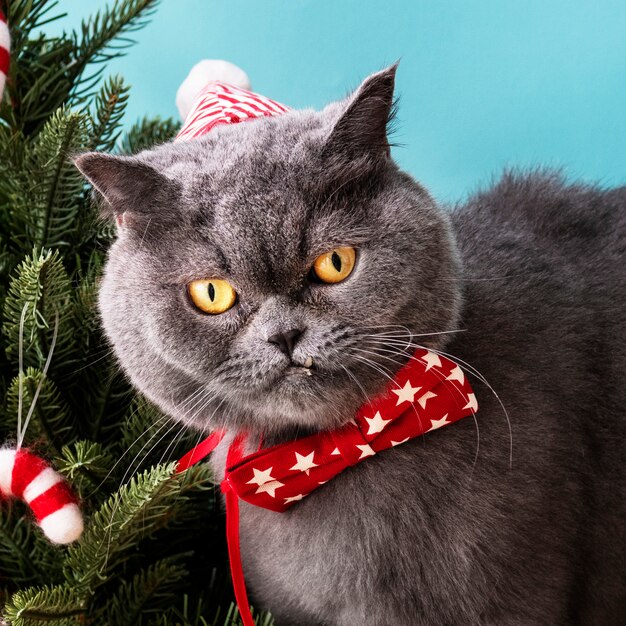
511, 519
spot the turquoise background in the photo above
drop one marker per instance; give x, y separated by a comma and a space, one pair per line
483, 84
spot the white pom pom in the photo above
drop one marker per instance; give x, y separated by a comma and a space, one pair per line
63, 526
203, 73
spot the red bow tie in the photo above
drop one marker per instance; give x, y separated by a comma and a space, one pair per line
429, 392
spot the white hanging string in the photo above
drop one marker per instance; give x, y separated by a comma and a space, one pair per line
20, 365
21, 429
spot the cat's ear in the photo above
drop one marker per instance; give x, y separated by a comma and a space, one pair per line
361, 129
131, 189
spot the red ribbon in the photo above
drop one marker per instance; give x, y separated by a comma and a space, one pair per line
235, 454
429, 392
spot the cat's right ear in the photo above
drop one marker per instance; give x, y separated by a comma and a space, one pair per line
361, 130
357, 144
132, 191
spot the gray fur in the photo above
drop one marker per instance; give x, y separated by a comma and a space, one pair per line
436, 531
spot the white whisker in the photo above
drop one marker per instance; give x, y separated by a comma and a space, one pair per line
472, 370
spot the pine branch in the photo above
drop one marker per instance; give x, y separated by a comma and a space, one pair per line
89, 335
153, 588
101, 393
147, 133
56, 193
27, 80
199, 615
143, 428
40, 80
134, 513
87, 465
109, 109
41, 283
11, 157
232, 618
52, 417
101, 30
149, 434
26, 556
27, 15
59, 605
47, 72
109, 401
7, 262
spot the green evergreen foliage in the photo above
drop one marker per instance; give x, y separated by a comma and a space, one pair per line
153, 548
146, 133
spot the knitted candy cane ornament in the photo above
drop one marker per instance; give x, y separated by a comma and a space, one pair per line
26, 476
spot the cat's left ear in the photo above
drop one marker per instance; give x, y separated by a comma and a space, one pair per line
361, 129
133, 192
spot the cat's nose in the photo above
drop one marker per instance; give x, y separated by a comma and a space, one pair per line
286, 341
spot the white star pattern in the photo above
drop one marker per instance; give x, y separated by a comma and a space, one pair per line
425, 398
407, 393
434, 424
397, 443
471, 402
431, 360
270, 488
294, 498
261, 477
304, 463
366, 450
376, 423
457, 374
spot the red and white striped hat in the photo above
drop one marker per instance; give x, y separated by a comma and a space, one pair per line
221, 102
5, 46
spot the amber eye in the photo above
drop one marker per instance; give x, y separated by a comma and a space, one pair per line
335, 266
212, 295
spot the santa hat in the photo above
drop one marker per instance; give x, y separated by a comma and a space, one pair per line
216, 93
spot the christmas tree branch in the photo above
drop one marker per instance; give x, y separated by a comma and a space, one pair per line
110, 107
105, 27
44, 604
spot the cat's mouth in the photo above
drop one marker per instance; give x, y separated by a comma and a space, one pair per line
307, 368
297, 378
303, 392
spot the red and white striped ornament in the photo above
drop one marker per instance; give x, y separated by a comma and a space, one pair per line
28, 477
5, 46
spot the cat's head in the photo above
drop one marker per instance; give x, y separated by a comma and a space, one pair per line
244, 220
